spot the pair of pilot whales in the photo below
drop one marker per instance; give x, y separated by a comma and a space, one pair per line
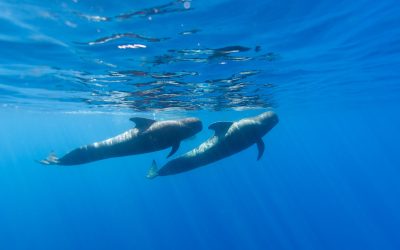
149, 136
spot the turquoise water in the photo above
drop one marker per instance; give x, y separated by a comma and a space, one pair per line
74, 72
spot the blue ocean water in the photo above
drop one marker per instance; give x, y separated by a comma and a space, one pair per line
74, 72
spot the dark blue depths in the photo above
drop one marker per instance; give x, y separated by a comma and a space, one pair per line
327, 181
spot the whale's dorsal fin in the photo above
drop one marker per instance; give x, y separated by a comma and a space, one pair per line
142, 123
261, 147
220, 127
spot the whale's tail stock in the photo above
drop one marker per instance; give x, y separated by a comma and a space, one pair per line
153, 171
52, 159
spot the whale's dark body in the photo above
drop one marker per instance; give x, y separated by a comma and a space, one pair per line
147, 136
229, 138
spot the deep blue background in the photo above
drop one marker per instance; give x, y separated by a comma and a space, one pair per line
328, 180
329, 177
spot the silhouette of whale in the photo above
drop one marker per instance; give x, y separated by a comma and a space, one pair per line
229, 138
147, 136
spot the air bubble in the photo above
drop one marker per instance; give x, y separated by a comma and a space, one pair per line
186, 5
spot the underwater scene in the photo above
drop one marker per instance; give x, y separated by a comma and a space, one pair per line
186, 124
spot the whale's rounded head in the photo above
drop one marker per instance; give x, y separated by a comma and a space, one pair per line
268, 120
191, 126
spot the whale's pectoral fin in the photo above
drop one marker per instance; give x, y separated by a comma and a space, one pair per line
261, 147
153, 171
220, 127
142, 123
175, 148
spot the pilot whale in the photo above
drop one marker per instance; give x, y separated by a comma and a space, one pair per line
147, 136
229, 138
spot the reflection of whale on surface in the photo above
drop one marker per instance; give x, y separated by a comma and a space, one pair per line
229, 50
229, 138
147, 136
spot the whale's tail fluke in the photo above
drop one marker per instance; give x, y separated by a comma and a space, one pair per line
153, 171
52, 159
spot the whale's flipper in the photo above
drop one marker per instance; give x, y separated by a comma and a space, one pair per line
153, 171
52, 159
175, 148
220, 127
260, 146
142, 123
